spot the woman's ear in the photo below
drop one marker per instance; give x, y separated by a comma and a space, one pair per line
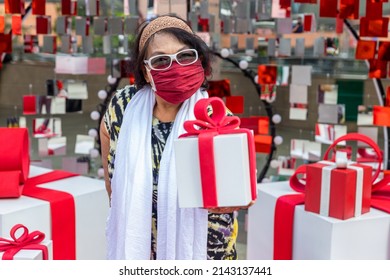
146, 76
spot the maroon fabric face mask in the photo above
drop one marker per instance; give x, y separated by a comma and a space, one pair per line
177, 83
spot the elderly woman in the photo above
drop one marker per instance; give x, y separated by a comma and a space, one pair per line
137, 134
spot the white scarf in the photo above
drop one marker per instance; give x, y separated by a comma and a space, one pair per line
182, 232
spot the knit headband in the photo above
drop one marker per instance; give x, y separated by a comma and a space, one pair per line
159, 24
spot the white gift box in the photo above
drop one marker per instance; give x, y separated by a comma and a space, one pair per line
91, 203
231, 167
314, 236
25, 254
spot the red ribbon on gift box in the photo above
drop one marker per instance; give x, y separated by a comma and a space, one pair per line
206, 128
14, 161
63, 213
285, 205
26, 241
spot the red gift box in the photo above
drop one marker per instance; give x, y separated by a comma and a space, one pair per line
14, 7
17, 25
263, 143
263, 125
349, 9
39, 7
365, 49
43, 24
328, 8
340, 193
219, 88
2, 24
5, 43
339, 25
31, 44
374, 10
65, 7
384, 51
235, 104
374, 27
381, 115
307, 23
29, 105
378, 69
69, 7
251, 123
267, 74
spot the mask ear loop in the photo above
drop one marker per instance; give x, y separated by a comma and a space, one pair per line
148, 72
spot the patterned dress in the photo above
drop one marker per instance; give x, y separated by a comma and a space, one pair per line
222, 228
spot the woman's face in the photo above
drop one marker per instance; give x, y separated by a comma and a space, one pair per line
163, 43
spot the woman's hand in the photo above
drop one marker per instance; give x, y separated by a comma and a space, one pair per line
225, 210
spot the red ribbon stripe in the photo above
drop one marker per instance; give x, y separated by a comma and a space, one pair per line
63, 213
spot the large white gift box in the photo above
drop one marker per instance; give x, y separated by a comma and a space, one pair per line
91, 206
232, 169
314, 236
27, 254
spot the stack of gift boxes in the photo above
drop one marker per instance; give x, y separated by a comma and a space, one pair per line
68, 210
337, 210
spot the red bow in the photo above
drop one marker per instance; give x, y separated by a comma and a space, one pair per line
28, 241
218, 121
